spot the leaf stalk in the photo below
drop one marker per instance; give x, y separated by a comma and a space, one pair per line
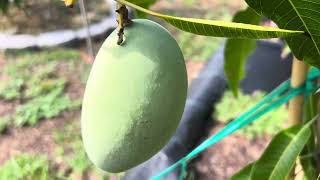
123, 21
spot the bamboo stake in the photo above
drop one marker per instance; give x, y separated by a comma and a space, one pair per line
317, 133
298, 78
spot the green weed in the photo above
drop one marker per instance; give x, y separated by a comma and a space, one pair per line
44, 56
230, 107
26, 167
45, 106
79, 160
10, 90
33, 79
71, 149
69, 140
4, 122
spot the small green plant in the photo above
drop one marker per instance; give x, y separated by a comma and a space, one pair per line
230, 108
26, 167
79, 160
4, 122
34, 80
10, 90
69, 140
71, 149
45, 106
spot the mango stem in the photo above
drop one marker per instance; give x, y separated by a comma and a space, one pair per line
123, 21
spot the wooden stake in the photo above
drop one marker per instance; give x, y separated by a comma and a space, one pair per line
298, 78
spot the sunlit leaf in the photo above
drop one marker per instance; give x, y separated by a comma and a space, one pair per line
218, 28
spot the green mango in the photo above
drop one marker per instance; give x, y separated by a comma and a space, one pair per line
134, 97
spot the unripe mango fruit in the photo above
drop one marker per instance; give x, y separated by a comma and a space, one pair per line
134, 98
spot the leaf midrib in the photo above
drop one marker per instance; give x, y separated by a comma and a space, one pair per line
305, 25
215, 23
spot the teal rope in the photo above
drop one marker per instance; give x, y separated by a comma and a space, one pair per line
281, 95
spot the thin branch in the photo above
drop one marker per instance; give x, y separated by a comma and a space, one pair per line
85, 20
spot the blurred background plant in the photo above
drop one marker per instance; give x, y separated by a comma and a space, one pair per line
4, 4
230, 108
36, 16
26, 167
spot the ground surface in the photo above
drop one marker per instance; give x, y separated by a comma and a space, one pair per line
228, 156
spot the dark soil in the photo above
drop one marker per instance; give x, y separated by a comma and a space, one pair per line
227, 157
33, 140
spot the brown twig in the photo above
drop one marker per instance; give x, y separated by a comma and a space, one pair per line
123, 21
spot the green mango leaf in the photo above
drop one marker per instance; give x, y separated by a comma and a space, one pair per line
244, 173
237, 51
282, 152
218, 28
299, 15
278, 159
307, 157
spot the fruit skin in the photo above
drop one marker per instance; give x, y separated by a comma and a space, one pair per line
134, 98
